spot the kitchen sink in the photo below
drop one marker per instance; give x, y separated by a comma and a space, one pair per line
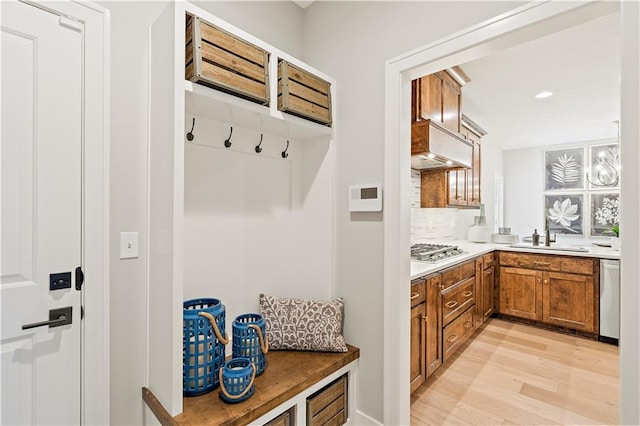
558, 248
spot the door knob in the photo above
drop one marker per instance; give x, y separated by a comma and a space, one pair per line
57, 317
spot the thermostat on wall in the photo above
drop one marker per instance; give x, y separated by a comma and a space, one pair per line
365, 198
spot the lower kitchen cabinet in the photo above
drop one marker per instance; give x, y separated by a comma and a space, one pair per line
568, 300
457, 299
488, 292
485, 288
455, 334
418, 366
552, 289
521, 293
434, 324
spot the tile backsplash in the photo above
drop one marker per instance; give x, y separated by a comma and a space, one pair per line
433, 225
416, 182
436, 224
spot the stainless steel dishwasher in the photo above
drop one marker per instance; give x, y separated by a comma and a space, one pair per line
609, 300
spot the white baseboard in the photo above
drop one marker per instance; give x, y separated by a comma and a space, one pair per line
361, 419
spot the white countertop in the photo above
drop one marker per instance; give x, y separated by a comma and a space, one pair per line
472, 250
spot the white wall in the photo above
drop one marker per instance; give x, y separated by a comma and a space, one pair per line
128, 156
279, 23
524, 191
491, 166
256, 223
351, 41
630, 197
129, 112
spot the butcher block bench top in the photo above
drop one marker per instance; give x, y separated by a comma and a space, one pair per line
287, 374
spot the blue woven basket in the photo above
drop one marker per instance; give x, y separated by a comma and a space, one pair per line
249, 340
202, 345
236, 380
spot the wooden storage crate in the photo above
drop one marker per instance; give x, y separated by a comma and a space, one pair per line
328, 406
221, 60
302, 93
285, 419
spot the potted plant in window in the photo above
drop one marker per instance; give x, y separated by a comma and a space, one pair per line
615, 240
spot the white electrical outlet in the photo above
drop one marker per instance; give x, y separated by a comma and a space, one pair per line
128, 245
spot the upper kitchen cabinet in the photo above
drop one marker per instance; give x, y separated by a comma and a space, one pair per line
459, 187
438, 97
239, 178
436, 108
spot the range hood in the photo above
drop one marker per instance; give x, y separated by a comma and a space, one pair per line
434, 146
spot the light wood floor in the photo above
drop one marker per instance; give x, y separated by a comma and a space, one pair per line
508, 373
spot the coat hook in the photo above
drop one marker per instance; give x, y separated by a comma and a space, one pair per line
227, 143
190, 134
284, 153
258, 148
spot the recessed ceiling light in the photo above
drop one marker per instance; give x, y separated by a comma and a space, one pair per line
449, 162
431, 156
543, 95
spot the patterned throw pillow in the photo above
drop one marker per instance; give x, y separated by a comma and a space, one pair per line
303, 325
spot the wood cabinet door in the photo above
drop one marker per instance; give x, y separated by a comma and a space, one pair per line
569, 300
457, 183
451, 103
488, 278
434, 325
418, 350
521, 293
479, 317
431, 97
473, 174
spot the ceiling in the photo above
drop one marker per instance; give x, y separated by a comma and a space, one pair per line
580, 65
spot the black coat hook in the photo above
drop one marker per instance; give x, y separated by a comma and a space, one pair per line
190, 134
258, 148
284, 153
227, 143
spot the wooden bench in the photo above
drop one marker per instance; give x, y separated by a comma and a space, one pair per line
289, 378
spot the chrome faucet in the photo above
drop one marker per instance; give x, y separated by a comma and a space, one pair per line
547, 237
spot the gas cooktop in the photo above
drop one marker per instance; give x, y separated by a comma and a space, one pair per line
433, 252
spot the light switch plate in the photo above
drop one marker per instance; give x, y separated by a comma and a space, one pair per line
128, 245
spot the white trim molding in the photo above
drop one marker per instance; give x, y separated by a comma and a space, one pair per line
533, 20
95, 376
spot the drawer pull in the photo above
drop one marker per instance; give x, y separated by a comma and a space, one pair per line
415, 295
467, 293
452, 338
468, 324
541, 263
451, 304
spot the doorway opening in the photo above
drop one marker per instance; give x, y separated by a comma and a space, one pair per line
523, 24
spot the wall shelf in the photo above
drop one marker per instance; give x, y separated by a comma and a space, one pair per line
204, 101
279, 206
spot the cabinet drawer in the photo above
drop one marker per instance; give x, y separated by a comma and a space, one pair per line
328, 406
488, 260
456, 333
458, 273
555, 263
457, 299
417, 292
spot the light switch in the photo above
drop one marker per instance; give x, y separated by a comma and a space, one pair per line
128, 245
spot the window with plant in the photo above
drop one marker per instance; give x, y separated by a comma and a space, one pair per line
583, 199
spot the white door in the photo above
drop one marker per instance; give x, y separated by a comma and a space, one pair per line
41, 216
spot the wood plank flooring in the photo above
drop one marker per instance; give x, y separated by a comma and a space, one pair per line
510, 373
